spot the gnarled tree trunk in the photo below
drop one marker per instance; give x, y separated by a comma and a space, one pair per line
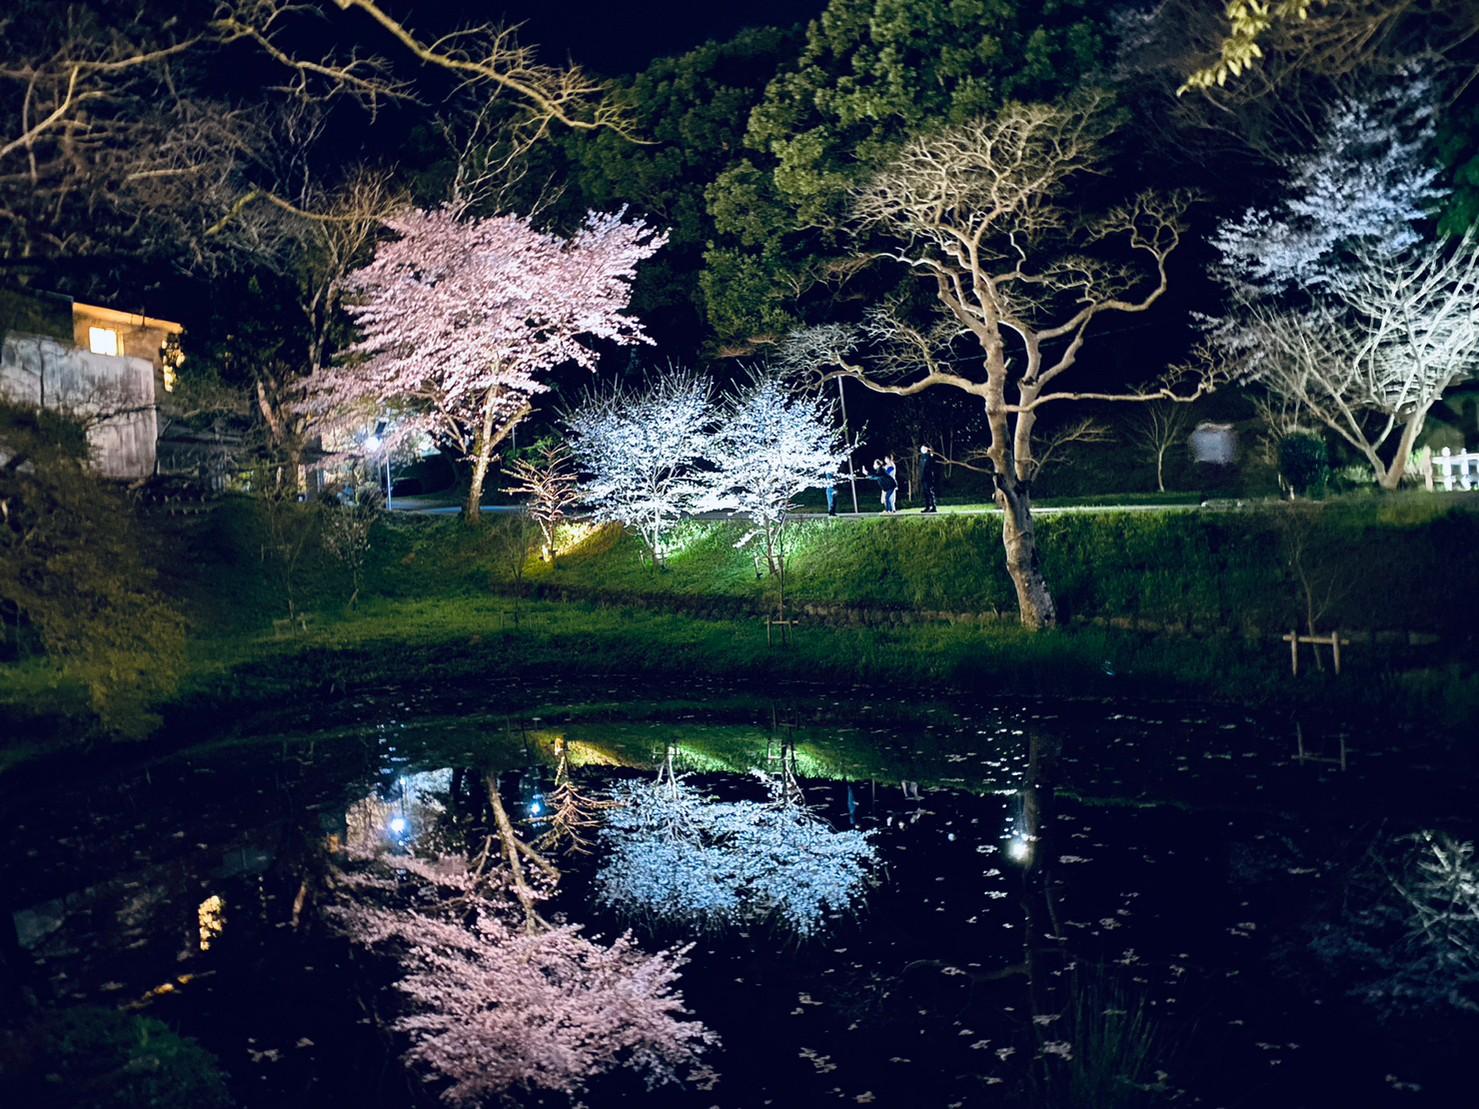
1024, 564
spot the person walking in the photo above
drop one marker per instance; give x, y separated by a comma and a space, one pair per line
929, 473
832, 493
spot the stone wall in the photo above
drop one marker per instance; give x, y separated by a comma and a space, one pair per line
113, 396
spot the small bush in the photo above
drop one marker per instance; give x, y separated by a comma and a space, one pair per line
1304, 463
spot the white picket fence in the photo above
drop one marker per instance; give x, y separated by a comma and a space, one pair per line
1452, 471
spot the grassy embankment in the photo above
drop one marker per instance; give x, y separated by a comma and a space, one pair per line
1159, 604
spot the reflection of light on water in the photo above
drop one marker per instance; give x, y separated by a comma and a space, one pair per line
211, 919
397, 812
1019, 850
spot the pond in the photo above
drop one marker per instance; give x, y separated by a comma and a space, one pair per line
858, 901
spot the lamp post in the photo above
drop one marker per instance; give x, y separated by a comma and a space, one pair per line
372, 444
852, 479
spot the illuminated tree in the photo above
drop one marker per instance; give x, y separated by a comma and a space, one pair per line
771, 442
641, 450
981, 212
462, 320
1343, 308
1370, 360
1368, 183
551, 486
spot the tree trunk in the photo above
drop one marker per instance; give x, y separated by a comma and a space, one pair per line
1010, 453
482, 456
1391, 480
1019, 537
1160, 470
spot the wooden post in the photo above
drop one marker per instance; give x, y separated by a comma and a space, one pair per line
1293, 638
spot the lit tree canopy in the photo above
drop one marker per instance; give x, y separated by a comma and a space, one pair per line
462, 319
640, 450
1370, 182
772, 442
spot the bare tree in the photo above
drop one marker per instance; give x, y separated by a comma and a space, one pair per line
982, 213
1160, 427
329, 235
550, 483
110, 134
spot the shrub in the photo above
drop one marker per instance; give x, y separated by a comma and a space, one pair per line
1304, 463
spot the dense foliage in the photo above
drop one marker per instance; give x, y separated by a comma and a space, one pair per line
74, 581
872, 74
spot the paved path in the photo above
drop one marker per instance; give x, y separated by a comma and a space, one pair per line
945, 510
1037, 510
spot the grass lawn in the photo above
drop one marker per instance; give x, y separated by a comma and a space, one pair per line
437, 612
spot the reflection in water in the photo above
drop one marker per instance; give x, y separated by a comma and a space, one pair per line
1407, 933
401, 810
676, 856
500, 996
1046, 930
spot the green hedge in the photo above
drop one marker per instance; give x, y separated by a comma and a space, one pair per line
1383, 564
1372, 564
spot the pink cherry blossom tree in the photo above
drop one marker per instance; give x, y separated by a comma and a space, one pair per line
463, 319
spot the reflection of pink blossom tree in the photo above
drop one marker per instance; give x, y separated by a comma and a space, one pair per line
463, 318
500, 998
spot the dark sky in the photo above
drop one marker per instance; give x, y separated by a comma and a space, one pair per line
617, 36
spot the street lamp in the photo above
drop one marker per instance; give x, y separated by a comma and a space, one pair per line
373, 444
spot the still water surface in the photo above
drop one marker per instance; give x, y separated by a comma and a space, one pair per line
1045, 876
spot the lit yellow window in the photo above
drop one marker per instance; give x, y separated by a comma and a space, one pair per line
102, 340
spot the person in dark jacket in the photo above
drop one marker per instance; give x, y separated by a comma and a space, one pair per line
888, 482
929, 474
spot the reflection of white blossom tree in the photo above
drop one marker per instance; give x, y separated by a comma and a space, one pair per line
641, 450
1409, 932
675, 856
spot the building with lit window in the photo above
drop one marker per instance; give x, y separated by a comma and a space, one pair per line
105, 367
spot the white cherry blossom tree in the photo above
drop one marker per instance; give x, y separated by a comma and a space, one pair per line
1343, 305
641, 450
772, 442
